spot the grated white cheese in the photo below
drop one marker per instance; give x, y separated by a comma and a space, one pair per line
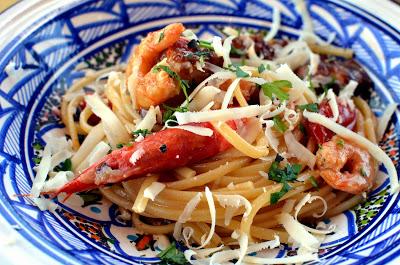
297, 231
285, 73
136, 156
45, 204
331, 97
298, 150
42, 171
235, 201
372, 148
348, 91
191, 128
113, 127
153, 190
309, 199
384, 119
185, 215
204, 97
295, 54
229, 93
223, 50
149, 120
189, 35
59, 180
211, 205
98, 152
59, 157
276, 23
221, 115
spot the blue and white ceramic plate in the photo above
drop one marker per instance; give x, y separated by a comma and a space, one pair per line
46, 46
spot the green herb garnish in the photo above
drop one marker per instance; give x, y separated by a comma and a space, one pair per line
313, 107
171, 255
235, 51
37, 160
313, 182
329, 85
37, 146
119, 146
169, 112
162, 35
142, 132
340, 143
282, 175
205, 44
276, 89
276, 196
279, 124
238, 71
182, 83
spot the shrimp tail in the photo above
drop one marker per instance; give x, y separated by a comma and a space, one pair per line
160, 151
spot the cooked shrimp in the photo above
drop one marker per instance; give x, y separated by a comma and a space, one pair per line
150, 88
345, 166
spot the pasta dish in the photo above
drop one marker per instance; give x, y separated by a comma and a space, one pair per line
230, 145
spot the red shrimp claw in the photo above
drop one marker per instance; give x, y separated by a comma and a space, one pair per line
160, 151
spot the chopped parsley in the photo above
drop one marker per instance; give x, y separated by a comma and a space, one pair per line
199, 54
276, 89
182, 83
313, 107
37, 146
313, 182
205, 44
340, 143
235, 51
279, 124
238, 71
163, 148
282, 175
276, 196
172, 255
37, 160
320, 146
64, 166
142, 132
329, 85
162, 35
119, 146
262, 67
169, 112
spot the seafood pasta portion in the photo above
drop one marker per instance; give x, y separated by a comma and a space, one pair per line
228, 145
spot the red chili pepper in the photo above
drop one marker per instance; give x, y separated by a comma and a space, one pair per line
144, 242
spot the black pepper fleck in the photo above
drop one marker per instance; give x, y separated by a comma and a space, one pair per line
163, 148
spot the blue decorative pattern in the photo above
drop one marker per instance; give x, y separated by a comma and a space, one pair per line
51, 58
